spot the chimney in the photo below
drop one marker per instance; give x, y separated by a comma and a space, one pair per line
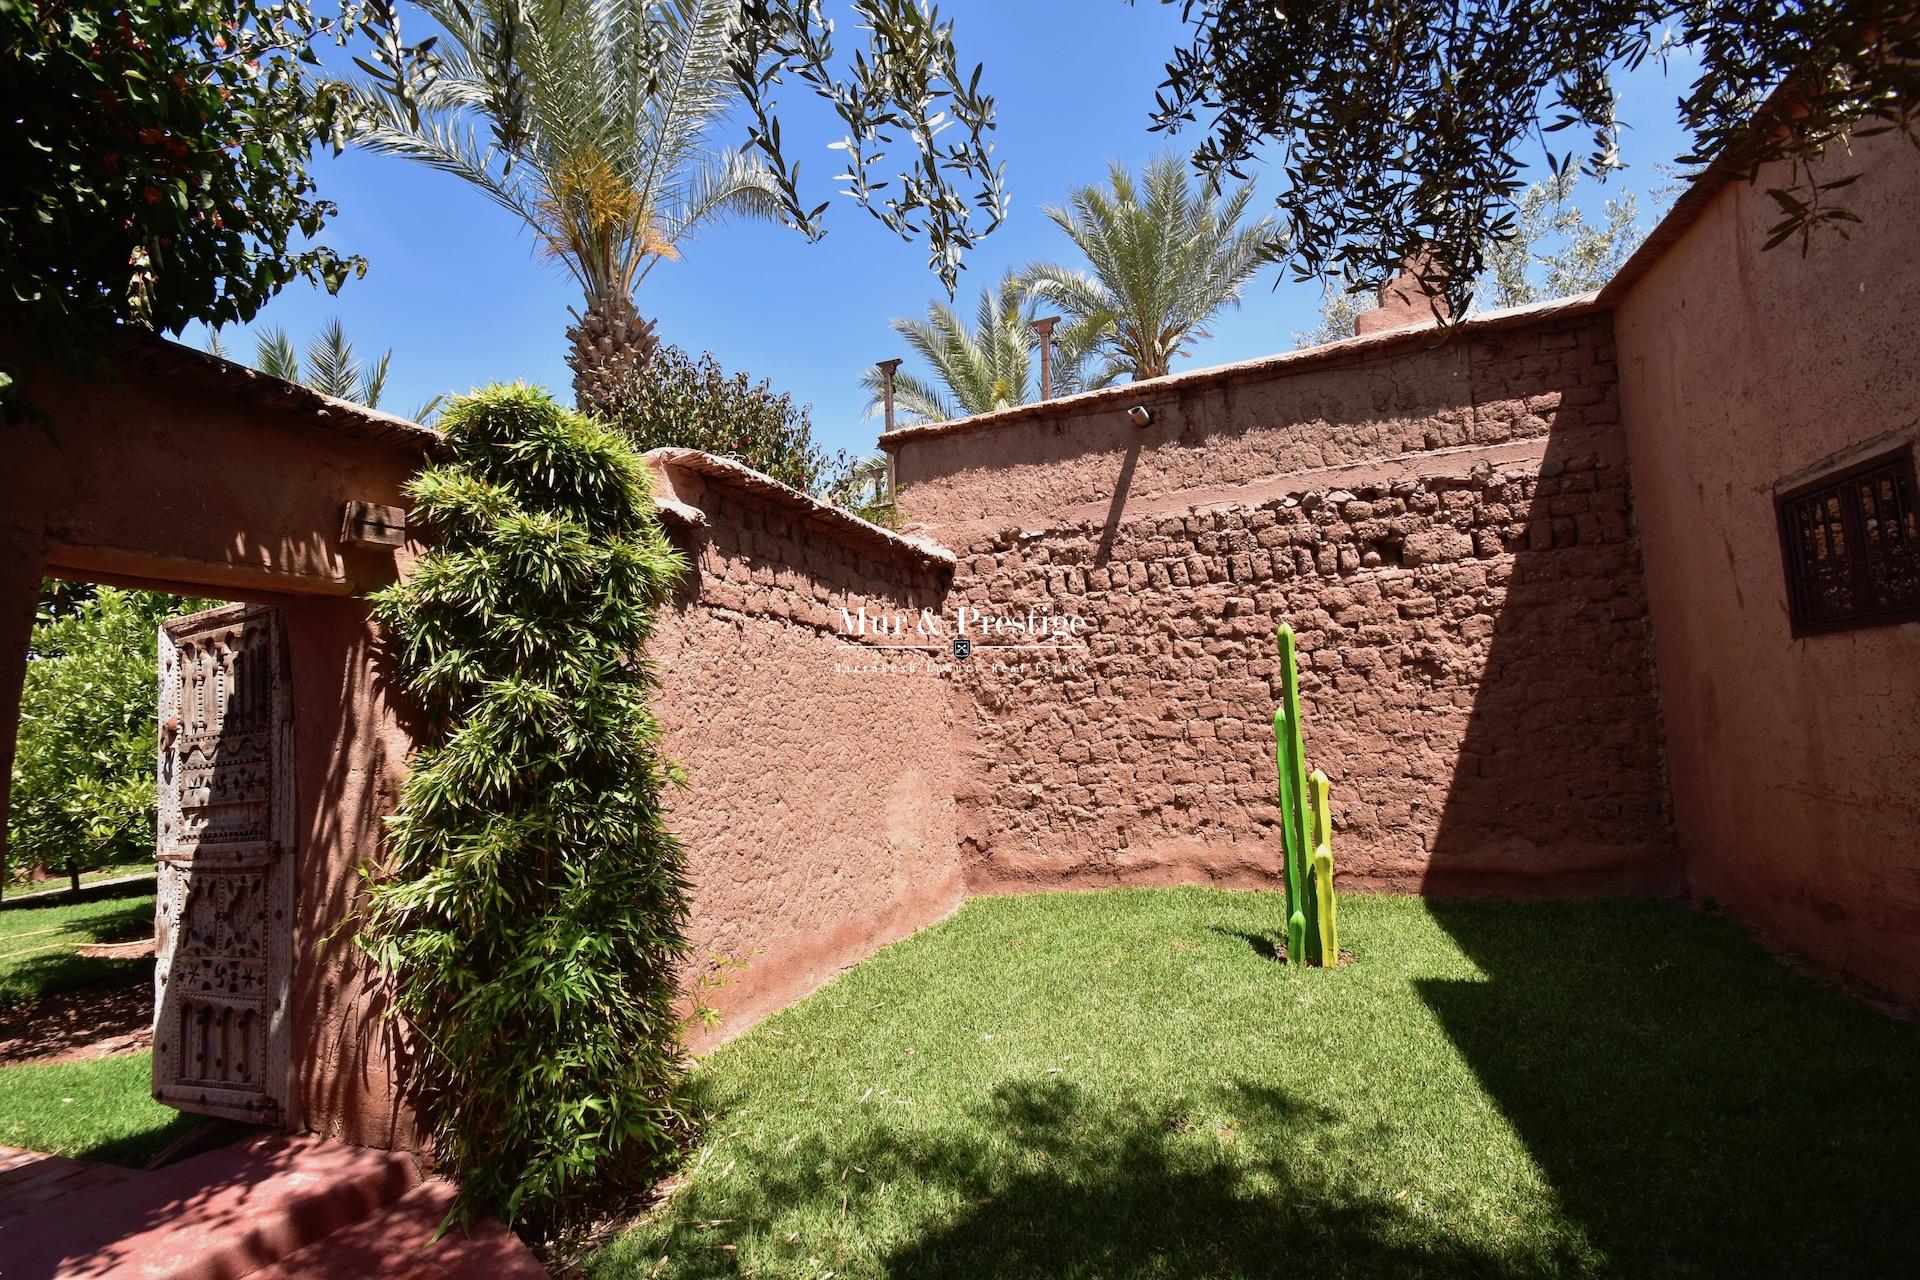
887, 369
1411, 298
1043, 328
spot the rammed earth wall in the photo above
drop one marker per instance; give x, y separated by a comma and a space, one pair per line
1796, 760
1449, 529
819, 815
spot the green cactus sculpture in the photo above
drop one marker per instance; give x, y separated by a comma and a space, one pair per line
1305, 827
1323, 871
1296, 910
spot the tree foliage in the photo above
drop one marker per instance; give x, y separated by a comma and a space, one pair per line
83, 766
908, 86
1165, 258
642, 78
861, 488
1400, 124
153, 166
1551, 252
531, 908
989, 365
1554, 252
1340, 306
596, 125
684, 403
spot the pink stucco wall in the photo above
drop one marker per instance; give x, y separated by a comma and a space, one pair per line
818, 815
1448, 527
145, 480
1793, 761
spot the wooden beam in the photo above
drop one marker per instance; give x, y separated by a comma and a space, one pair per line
119, 567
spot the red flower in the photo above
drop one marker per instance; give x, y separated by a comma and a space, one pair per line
152, 137
110, 162
150, 194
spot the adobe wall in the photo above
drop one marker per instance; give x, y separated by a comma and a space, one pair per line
1793, 761
1449, 529
818, 817
1508, 377
154, 479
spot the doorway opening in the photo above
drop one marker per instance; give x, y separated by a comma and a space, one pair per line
96, 885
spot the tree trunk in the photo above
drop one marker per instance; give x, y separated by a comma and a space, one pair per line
609, 347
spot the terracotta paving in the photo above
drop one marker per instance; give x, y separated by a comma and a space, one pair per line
397, 1243
283, 1207
30, 1181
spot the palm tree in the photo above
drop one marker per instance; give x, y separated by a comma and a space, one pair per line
861, 489
329, 365
1166, 259
599, 122
982, 368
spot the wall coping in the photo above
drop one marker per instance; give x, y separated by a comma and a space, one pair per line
673, 500
204, 371
1328, 354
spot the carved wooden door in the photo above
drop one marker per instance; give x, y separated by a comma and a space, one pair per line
223, 927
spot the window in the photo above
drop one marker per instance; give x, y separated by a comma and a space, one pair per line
1852, 546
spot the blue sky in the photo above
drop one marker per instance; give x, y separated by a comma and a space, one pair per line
455, 289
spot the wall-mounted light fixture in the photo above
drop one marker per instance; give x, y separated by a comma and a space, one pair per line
1140, 416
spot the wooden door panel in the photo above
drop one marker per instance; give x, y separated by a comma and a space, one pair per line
223, 921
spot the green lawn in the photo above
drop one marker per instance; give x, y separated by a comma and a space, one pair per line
37, 946
61, 883
1123, 1084
100, 1110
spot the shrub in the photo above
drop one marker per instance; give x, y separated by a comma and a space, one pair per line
83, 766
695, 404
531, 913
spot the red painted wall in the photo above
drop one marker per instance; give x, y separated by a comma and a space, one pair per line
1794, 762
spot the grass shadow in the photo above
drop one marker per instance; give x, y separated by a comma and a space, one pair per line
38, 948
1698, 1109
63, 972
1266, 944
1056, 1182
1123, 1084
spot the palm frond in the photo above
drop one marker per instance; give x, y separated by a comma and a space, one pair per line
728, 185
914, 399
424, 412
374, 381
590, 120
330, 367
975, 368
1163, 258
274, 354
